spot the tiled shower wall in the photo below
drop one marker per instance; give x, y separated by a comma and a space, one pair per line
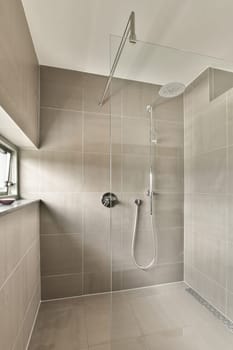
71, 171
19, 275
208, 110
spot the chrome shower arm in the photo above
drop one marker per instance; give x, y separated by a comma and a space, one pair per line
129, 31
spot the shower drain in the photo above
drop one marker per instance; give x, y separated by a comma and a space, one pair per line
227, 323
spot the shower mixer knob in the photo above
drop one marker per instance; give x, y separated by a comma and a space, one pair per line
109, 200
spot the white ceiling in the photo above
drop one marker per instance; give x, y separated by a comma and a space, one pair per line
75, 34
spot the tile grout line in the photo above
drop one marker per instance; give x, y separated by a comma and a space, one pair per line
19, 263
24, 318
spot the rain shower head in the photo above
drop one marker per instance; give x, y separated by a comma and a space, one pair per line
171, 90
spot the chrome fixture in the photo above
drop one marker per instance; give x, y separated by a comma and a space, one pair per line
138, 202
129, 32
109, 200
171, 90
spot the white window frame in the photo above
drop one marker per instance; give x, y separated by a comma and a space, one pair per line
12, 184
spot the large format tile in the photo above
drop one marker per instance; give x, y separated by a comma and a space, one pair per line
170, 110
93, 89
29, 167
61, 213
25, 333
229, 311
229, 272
61, 286
209, 127
136, 135
61, 328
61, 254
164, 273
209, 214
61, 88
200, 94
222, 81
170, 245
97, 251
135, 98
96, 216
230, 116
135, 173
168, 210
212, 265
230, 170
170, 138
175, 339
111, 323
60, 130
98, 281
60, 171
158, 317
96, 172
19, 75
96, 133
168, 174
209, 173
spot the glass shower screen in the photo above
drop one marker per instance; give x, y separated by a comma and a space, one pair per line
157, 157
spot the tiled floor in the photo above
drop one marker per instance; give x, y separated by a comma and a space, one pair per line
155, 318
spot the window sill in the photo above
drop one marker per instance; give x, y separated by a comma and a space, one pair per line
18, 204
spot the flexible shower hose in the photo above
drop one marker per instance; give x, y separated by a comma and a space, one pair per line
138, 202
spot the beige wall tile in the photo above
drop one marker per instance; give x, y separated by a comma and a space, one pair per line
97, 282
96, 133
116, 134
134, 278
229, 263
230, 170
230, 116
60, 171
170, 245
135, 173
25, 333
61, 130
61, 286
212, 264
170, 138
97, 251
170, 110
19, 75
209, 172
29, 168
169, 210
61, 213
61, 88
127, 132
135, 97
93, 89
200, 92
61, 254
96, 216
136, 135
96, 172
22, 274
169, 174
3, 254
209, 127
229, 311
209, 214
221, 82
